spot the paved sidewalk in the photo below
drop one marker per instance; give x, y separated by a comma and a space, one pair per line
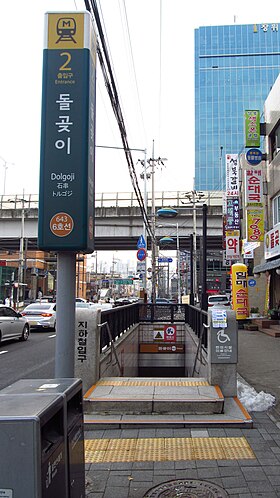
203, 462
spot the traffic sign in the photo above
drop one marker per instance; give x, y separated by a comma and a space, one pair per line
141, 254
141, 244
252, 282
164, 259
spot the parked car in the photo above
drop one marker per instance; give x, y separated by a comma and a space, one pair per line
218, 299
12, 325
162, 300
41, 315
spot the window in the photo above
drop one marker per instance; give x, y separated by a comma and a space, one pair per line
276, 209
274, 139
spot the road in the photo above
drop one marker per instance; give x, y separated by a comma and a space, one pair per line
33, 359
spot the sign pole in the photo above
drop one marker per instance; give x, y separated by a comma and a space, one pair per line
65, 314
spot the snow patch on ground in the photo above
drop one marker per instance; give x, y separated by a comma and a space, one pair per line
252, 400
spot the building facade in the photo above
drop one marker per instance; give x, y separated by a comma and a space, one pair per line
235, 67
267, 258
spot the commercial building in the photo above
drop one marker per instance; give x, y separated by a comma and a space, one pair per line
267, 257
235, 67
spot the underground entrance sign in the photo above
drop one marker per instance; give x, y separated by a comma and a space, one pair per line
66, 200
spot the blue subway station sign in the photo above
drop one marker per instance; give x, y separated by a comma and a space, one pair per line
66, 197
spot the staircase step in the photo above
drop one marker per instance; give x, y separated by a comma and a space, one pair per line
270, 331
147, 396
234, 415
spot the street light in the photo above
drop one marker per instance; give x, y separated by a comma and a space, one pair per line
177, 251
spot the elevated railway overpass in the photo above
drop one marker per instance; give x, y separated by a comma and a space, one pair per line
118, 220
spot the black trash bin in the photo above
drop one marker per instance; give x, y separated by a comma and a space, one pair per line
72, 393
32, 446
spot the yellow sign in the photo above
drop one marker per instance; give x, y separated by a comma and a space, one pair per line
65, 30
255, 225
240, 290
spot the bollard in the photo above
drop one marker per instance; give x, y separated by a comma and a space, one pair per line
223, 349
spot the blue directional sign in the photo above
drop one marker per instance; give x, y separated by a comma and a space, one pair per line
141, 244
165, 260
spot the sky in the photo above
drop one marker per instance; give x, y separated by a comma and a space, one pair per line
151, 45
153, 64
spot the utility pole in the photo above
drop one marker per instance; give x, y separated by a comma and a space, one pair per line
154, 279
152, 162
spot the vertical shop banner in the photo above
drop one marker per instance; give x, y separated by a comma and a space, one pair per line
66, 200
255, 224
232, 245
252, 128
232, 175
253, 187
232, 215
239, 279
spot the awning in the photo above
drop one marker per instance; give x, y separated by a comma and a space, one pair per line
268, 265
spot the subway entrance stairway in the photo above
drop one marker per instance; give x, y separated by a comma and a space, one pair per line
161, 402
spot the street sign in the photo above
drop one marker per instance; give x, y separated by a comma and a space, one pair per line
252, 282
141, 244
170, 333
165, 260
141, 254
67, 182
254, 156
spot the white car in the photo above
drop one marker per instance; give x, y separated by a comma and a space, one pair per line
12, 325
218, 299
41, 315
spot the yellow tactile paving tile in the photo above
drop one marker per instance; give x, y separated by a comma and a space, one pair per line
168, 383
163, 449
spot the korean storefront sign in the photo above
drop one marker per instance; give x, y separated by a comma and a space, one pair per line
66, 201
252, 128
255, 224
253, 187
272, 242
232, 245
232, 214
240, 290
232, 175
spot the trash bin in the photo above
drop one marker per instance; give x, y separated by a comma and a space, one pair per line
32, 446
72, 394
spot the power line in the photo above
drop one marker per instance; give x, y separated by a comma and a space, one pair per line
104, 60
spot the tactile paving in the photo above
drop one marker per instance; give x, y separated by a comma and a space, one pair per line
161, 449
171, 383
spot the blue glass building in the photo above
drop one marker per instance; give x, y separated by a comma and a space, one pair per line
235, 68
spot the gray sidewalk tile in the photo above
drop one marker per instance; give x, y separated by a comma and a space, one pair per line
186, 474
185, 464
118, 480
208, 472
230, 471
275, 480
260, 486
206, 463
142, 475
114, 492
253, 473
231, 482
239, 492
143, 465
